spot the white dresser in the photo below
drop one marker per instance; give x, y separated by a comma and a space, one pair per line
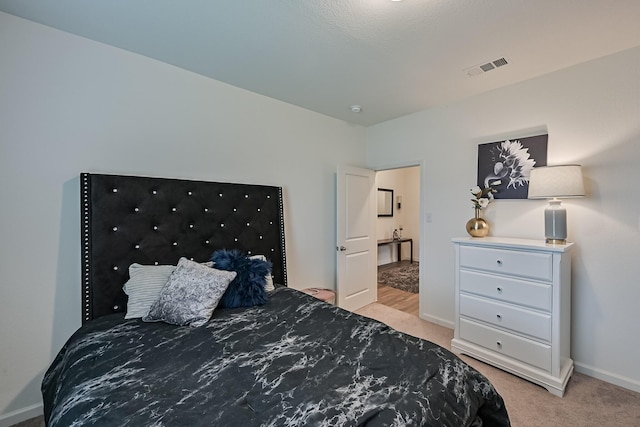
513, 307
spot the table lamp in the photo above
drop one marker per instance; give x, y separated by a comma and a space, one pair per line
553, 182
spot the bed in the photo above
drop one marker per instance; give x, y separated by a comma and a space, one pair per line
290, 360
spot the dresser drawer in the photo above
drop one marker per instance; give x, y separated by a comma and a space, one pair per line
527, 351
521, 263
519, 320
505, 288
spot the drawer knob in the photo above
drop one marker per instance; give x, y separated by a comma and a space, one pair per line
499, 316
499, 262
499, 289
499, 344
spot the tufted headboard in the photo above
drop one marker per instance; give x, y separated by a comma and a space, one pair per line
127, 219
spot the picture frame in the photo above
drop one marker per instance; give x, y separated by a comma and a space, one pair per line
506, 165
385, 202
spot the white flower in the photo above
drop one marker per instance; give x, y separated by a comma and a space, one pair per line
481, 197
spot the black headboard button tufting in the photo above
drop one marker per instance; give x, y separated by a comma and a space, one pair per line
127, 219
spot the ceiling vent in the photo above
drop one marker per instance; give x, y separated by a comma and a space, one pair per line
485, 68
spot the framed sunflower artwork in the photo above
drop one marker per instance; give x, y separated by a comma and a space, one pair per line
506, 165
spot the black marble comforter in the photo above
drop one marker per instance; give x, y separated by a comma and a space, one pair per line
295, 361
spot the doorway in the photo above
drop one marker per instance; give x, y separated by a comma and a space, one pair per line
398, 236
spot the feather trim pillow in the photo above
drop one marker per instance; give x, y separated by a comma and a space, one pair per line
248, 288
191, 294
268, 279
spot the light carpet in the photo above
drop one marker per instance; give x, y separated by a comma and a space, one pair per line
586, 402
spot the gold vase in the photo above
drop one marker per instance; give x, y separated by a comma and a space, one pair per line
477, 227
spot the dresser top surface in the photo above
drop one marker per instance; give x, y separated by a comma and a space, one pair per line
510, 242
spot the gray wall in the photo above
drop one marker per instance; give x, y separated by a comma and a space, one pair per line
591, 114
70, 105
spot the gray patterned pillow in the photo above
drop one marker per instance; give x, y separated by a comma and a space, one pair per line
144, 286
191, 294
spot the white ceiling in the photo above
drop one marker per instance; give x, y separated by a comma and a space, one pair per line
392, 58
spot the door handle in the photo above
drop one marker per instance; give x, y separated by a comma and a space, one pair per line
341, 248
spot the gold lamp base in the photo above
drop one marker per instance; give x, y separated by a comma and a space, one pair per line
556, 241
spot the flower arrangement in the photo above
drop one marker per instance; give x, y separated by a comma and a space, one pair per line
482, 196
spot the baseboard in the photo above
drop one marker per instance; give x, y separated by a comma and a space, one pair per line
21, 415
583, 368
437, 320
606, 376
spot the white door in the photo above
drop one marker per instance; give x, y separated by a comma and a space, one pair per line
356, 242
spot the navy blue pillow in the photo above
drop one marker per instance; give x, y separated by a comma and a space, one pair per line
247, 289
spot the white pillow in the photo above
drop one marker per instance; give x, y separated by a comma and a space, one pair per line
191, 295
144, 286
268, 286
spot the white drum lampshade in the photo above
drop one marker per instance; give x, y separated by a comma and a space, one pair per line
553, 183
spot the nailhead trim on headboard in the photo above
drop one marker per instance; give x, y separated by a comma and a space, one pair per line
128, 219
86, 249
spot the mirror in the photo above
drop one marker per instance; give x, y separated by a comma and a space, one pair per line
385, 202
